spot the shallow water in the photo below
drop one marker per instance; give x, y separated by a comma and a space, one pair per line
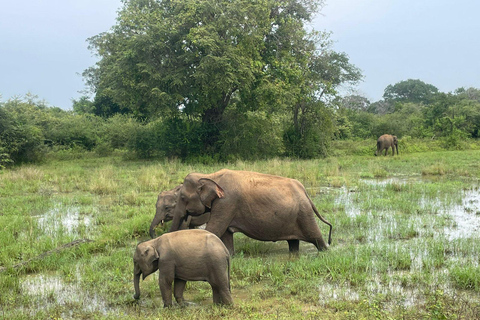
65, 220
49, 290
466, 216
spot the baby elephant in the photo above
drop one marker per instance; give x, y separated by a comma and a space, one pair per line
181, 256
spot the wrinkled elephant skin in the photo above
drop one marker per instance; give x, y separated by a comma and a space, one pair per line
263, 207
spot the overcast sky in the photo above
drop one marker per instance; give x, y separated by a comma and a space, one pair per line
43, 48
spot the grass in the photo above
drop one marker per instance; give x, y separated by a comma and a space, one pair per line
391, 256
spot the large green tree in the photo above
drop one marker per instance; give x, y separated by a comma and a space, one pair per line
190, 60
410, 90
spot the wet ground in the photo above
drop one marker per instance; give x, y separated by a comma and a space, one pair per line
47, 290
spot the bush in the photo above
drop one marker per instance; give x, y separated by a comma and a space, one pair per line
251, 135
145, 140
21, 139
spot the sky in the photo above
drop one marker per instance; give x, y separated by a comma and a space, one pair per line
44, 48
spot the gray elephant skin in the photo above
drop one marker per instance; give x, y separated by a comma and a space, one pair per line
186, 255
263, 207
166, 202
385, 142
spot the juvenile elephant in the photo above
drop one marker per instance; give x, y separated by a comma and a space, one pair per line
385, 142
166, 202
262, 206
186, 255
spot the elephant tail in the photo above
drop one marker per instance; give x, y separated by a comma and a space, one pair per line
321, 218
228, 275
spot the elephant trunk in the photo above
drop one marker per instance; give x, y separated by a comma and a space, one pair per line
136, 282
159, 218
178, 216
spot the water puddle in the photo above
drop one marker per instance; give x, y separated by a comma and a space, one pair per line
346, 198
65, 220
330, 292
48, 291
392, 180
466, 216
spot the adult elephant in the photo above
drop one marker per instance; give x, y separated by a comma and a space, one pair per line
166, 202
263, 207
385, 142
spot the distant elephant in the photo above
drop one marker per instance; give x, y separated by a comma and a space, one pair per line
186, 255
166, 202
385, 142
262, 206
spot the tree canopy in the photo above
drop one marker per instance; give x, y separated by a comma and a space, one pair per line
410, 90
194, 59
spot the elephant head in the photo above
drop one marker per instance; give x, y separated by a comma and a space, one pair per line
165, 206
145, 262
395, 143
195, 198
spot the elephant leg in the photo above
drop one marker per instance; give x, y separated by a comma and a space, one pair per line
178, 288
166, 290
227, 239
221, 294
225, 295
293, 246
216, 295
220, 218
311, 232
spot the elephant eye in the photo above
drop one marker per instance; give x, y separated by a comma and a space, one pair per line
167, 207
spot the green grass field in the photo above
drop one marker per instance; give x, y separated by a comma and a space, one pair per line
406, 241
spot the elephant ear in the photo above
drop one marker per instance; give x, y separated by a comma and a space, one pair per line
209, 190
151, 254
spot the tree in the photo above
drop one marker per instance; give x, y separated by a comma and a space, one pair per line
193, 59
83, 106
410, 90
355, 102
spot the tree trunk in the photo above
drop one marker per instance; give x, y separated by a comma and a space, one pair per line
212, 119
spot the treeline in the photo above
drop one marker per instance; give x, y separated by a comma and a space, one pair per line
30, 129
415, 109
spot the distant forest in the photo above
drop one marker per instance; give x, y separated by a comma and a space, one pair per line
226, 80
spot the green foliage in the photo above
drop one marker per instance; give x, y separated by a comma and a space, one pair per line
252, 135
189, 62
448, 118
144, 141
21, 137
311, 132
410, 90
